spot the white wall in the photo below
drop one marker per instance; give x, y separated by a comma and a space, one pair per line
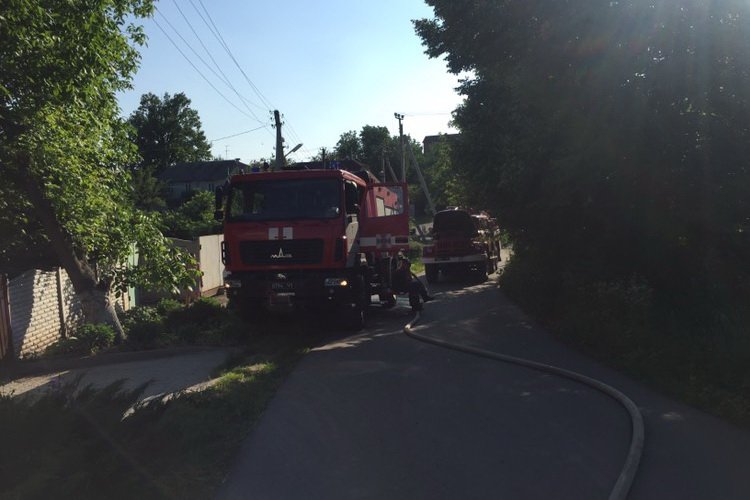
210, 263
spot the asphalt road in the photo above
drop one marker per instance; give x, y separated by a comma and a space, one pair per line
380, 415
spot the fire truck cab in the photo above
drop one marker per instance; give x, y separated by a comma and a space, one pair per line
311, 237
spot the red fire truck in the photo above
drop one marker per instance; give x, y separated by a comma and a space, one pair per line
312, 237
464, 245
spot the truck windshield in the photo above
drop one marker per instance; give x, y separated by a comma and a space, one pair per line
456, 222
284, 199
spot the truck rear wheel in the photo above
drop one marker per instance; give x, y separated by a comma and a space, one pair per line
480, 273
431, 272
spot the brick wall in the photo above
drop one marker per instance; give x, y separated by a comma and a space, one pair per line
43, 306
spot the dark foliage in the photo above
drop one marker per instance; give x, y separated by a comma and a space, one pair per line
612, 140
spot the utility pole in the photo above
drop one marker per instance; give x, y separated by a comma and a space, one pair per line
430, 205
226, 152
390, 169
382, 163
400, 117
279, 164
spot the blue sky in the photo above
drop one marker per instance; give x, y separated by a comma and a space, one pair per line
329, 66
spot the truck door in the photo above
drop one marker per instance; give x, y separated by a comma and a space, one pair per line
385, 223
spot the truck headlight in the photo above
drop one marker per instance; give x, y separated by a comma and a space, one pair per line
233, 283
334, 282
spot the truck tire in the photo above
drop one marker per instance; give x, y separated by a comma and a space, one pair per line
431, 272
354, 316
480, 274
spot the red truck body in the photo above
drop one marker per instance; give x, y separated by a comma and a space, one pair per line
323, 238
464, 244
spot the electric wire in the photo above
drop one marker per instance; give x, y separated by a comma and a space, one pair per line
226, 79
214, 31
237, 134
225, 82
217, 34
199, 71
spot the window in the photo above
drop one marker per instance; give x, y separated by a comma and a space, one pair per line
285, 199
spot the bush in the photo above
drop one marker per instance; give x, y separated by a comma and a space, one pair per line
144, 327
95, 337
205, 311
167, 306
86, 339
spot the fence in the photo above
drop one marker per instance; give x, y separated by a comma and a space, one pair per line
43, 308
207, 252
5, 343
38, 307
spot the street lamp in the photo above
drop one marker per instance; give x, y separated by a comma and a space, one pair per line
295, 148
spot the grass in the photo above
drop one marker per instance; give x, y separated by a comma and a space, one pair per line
74, 442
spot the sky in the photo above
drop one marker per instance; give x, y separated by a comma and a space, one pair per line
329, 66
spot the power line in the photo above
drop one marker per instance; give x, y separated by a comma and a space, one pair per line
428, 114
199, 71
226, 79
217, 34
237, 134
223, 42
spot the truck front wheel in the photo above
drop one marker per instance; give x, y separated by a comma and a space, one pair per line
354, 315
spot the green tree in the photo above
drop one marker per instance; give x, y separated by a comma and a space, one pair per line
349, 146
63, 148
443, 180
612, 137
375, 141
168, 131
193, 218
147, 190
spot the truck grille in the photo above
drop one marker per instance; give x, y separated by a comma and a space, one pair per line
452, 248
281, 252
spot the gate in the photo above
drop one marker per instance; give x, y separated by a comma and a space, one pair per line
6, 347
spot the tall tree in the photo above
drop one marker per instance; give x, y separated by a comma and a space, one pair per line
375, 141
63, 148
168, 131
349, 146
612, 136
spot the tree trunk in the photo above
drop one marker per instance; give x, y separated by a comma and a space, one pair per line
94, 296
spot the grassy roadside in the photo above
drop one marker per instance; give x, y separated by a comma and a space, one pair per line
78, 445
620, 324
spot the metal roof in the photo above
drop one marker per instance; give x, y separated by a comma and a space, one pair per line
202, 171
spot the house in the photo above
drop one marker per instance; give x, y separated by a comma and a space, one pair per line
184, 178
431, 140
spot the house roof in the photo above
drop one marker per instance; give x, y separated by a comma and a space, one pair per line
202, 171
430, 140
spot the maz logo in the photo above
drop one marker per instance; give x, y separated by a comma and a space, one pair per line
281, 255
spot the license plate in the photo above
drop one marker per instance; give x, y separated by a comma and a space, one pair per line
282, 286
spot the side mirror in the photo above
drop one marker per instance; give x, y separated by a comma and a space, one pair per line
218, 215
